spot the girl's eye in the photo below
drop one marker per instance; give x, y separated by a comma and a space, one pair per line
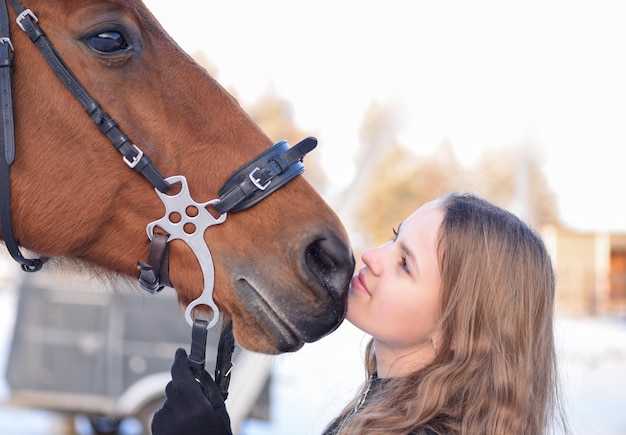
404, 265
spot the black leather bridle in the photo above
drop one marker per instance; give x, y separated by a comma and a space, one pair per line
246, 186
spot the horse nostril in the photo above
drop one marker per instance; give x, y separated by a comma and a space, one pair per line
320, 262
331, 262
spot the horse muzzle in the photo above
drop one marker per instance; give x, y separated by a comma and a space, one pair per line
284, 314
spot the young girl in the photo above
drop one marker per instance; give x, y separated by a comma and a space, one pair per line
460, 308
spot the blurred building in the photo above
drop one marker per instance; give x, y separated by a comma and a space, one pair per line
590, 270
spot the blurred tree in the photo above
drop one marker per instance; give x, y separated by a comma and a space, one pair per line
377, 134
508, 176
403, 182
392, 182
512, 177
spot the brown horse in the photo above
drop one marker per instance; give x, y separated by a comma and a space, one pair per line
281, 267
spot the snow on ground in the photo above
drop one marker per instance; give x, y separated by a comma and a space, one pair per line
310, 386
593, 365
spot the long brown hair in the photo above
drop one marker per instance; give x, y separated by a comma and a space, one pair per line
495, 369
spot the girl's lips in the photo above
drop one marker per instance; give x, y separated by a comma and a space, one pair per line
358, 283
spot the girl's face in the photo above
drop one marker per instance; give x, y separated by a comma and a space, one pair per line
394, 297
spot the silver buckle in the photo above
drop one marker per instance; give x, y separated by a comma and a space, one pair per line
7, 41
256, 181
136, 159
23, 15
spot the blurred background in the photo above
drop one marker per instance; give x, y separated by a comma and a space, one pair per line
521, 102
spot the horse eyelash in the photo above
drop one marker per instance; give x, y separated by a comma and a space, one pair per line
395, 234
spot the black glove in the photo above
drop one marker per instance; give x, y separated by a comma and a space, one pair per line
192, 407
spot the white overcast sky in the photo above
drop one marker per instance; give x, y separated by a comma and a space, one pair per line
481, 74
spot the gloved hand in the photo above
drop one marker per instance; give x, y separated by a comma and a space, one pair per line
192, 407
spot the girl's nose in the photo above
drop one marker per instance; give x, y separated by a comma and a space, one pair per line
372, 258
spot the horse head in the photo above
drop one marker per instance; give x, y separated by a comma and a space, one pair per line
281, 267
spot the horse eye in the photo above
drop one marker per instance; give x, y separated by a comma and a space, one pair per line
107, 42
